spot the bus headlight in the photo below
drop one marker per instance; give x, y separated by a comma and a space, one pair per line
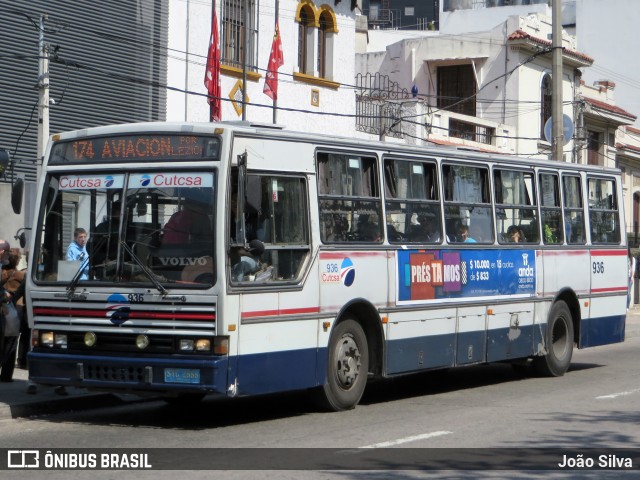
186, 345
46, 339
60, 340
90, 339
142, 342
203, 345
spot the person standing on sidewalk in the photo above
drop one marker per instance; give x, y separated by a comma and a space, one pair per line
632, 271
8, 341
13, 282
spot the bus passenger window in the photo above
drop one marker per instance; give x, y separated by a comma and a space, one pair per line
276, 227
348, 199
603, 211
516, 205
551, 211
573, 213
412, 201
467, 204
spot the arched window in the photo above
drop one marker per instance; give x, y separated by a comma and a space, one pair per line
305, 46
546, 93
322, 46
317, 27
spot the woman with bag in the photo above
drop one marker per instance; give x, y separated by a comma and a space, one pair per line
9, 322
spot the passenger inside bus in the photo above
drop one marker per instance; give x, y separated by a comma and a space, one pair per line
426, 230
514, 235
463, 234
191, 224
368, 230
246, 264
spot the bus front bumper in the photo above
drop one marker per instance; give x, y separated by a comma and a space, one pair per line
167, 376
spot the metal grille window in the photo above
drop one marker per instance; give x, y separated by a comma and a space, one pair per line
234, 17
457, 89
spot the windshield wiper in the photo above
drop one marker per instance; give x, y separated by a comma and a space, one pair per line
147, 272
73, 284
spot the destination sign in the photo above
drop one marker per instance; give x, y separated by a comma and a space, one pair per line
136, 148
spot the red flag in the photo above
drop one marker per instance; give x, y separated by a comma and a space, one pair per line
276, 60
212, 72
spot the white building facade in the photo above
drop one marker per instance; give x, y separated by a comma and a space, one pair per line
315, 83
489, 89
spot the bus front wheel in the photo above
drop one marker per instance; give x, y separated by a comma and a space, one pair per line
559, 342
347, 366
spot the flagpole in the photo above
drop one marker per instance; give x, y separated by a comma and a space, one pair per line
213, 16
275, 100
244, 60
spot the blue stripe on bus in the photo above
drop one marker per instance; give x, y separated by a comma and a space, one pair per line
301, 369
602, 331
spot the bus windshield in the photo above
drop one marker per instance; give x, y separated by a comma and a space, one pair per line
147, 227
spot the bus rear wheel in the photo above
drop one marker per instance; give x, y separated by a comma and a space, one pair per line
559, 342
347, 367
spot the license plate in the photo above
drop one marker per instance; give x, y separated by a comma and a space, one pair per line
181, 375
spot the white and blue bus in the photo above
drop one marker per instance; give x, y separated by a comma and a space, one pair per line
236, 260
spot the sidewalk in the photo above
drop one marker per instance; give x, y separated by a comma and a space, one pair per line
16, 402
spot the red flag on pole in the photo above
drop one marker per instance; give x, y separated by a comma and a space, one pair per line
276, 60
212, 72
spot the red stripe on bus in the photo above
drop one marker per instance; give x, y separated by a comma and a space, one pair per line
609, 289
608, 253
340, 256
563, 253
276, 313
132, 314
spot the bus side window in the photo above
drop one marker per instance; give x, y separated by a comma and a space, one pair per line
516, 204
348, 198
603, 211
277, 230
467, 203
573, 212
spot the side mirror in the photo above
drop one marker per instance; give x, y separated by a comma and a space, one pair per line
21, 236
17, 190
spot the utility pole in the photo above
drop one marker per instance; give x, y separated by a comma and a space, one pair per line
557, 131
43, 95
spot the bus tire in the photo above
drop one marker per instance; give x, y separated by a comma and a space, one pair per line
347, 367
559, 342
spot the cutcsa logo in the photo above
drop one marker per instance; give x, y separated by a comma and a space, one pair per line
108, 181
347, 272
145, 180
118, 313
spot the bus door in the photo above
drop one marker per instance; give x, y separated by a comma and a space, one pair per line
269, 260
